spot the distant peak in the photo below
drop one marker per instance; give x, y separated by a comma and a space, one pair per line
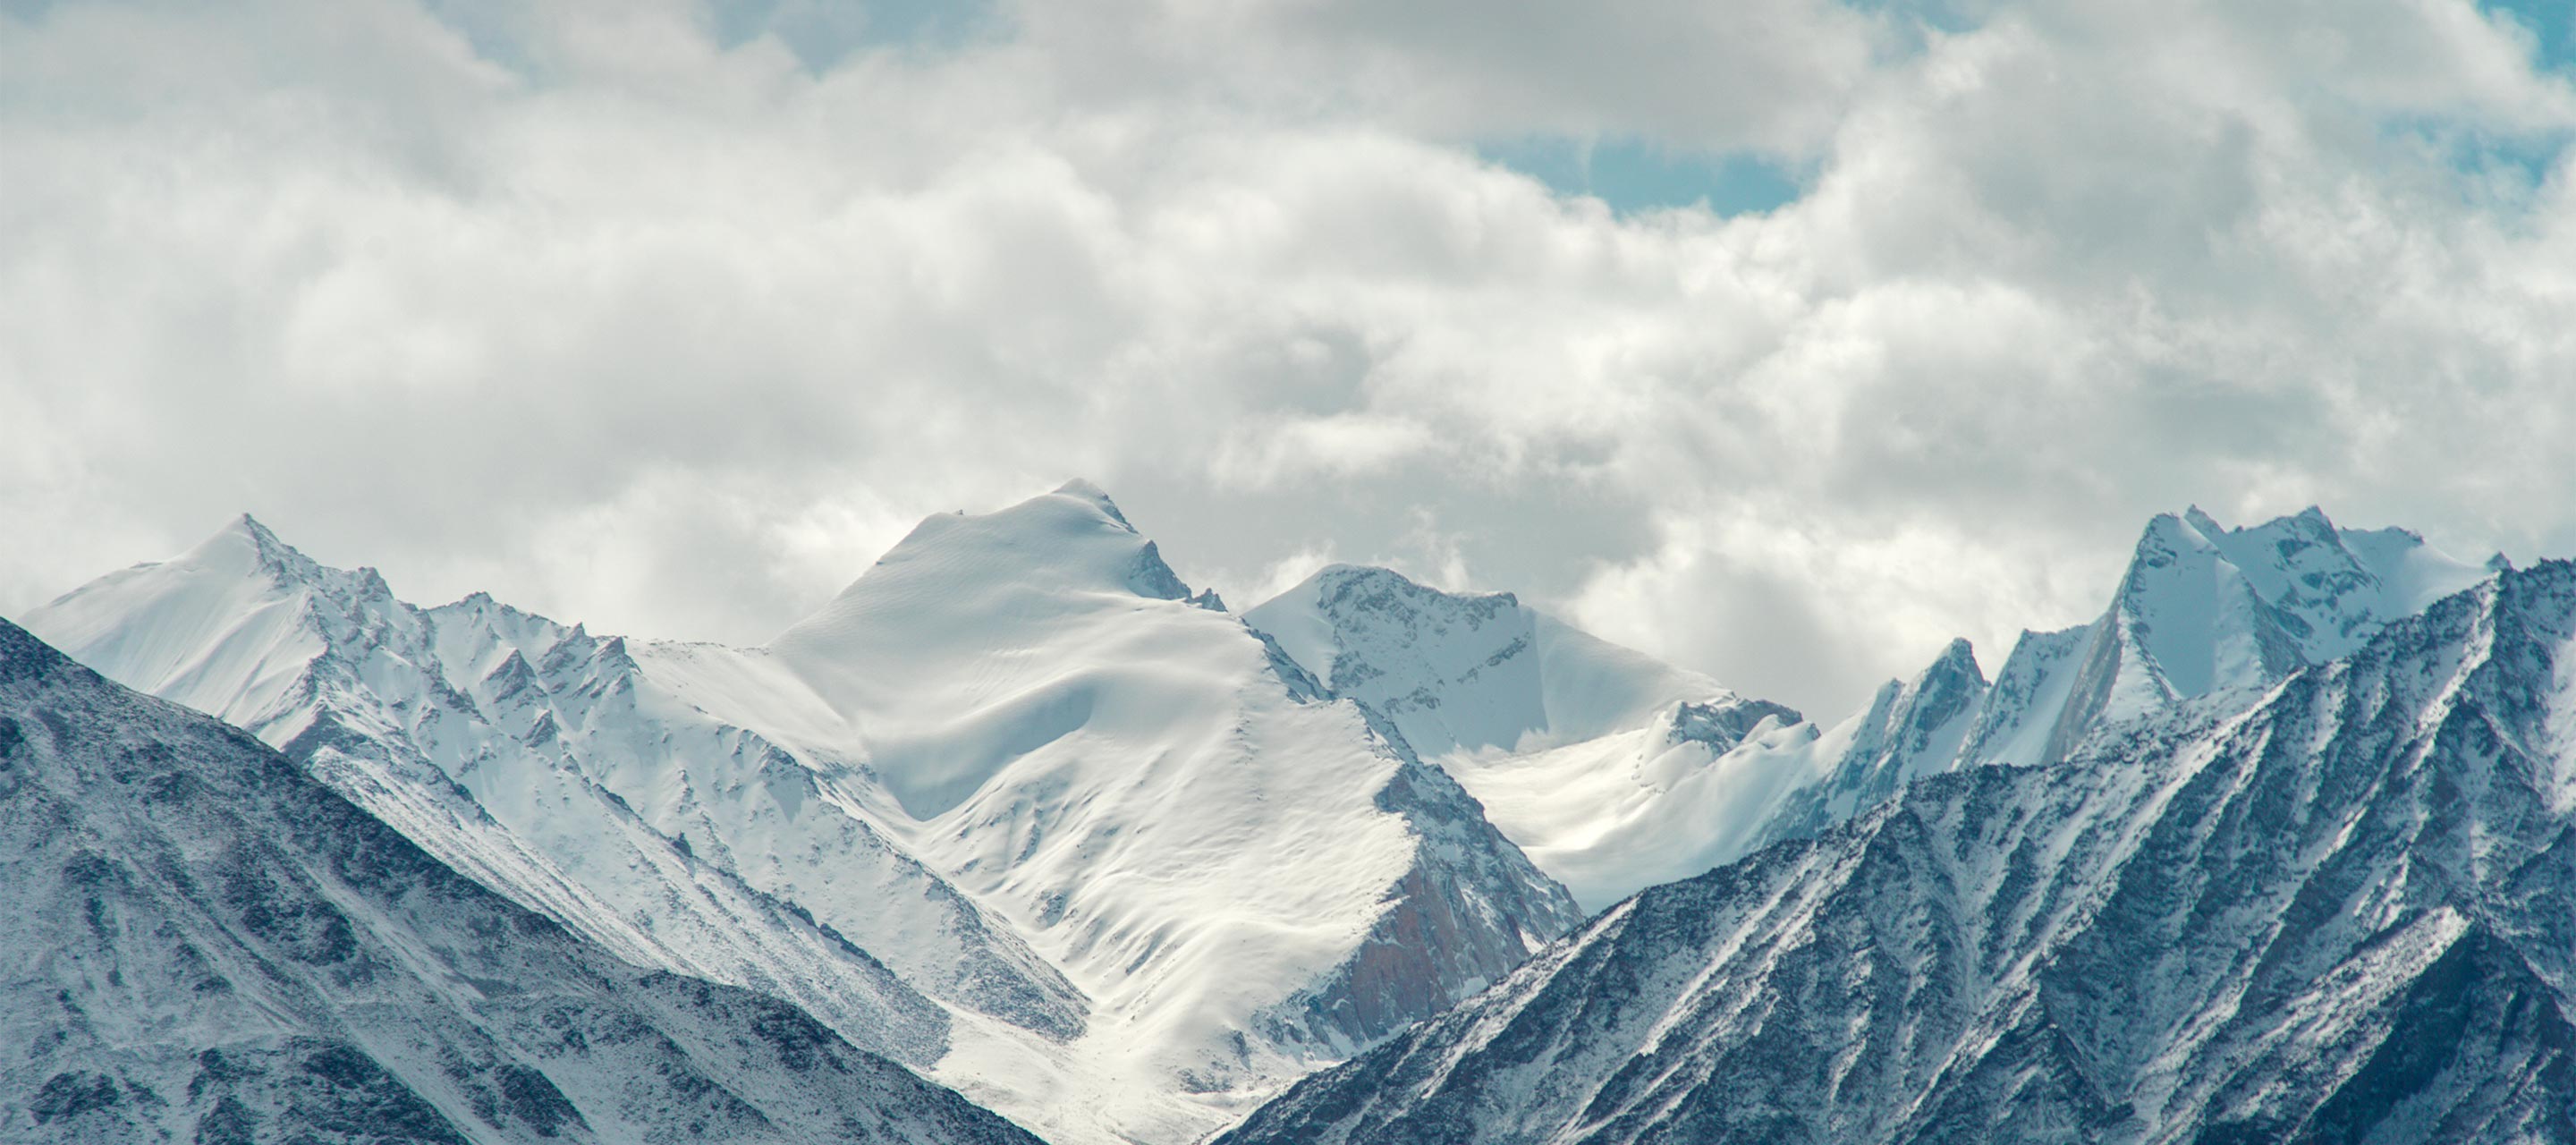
259, 535
1099, 497
246, 536
1341, 575
1957, 662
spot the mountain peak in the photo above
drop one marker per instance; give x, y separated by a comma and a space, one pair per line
1469, 670
979, 577
1099, 498
1958, 656
245, 545
2200, 520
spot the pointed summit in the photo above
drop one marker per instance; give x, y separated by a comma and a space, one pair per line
244, 546
1958, 657
2200, 520
1913, 728
2204, 610
1098, 497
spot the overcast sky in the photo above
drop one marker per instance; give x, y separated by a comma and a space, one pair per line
1785, 339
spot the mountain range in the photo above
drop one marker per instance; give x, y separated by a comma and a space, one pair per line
207, 944
1022, 814
2344, 913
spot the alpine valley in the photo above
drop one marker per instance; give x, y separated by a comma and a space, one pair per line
1020, 835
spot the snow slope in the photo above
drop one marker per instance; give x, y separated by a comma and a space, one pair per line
1245, 876
1611, 769
2346, 913
203, 943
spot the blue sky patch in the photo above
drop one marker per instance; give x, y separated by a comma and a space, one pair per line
1632, 174
2552, 22
824, 32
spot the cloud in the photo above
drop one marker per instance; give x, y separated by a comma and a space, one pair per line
650, 316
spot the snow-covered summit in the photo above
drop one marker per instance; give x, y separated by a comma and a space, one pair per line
2204, 617
1912, 728
1612, 769
2204, 610
1072, 542
1468, 671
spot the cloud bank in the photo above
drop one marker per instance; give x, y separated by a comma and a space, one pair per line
670, 317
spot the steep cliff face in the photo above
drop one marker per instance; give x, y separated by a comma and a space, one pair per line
1911, 730
1468, 912
209, 945
2342, 914
2204, 610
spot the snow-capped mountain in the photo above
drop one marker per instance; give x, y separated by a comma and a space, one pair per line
1911, 729
1473, 671
497, 740
1015, 806
204, 943
2343, 912
1615, 772
1601, 762
1244, 875
2206, 610
2205, 617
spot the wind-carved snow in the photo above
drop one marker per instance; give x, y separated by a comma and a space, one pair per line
1017, 804
206, 944
2345, 911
